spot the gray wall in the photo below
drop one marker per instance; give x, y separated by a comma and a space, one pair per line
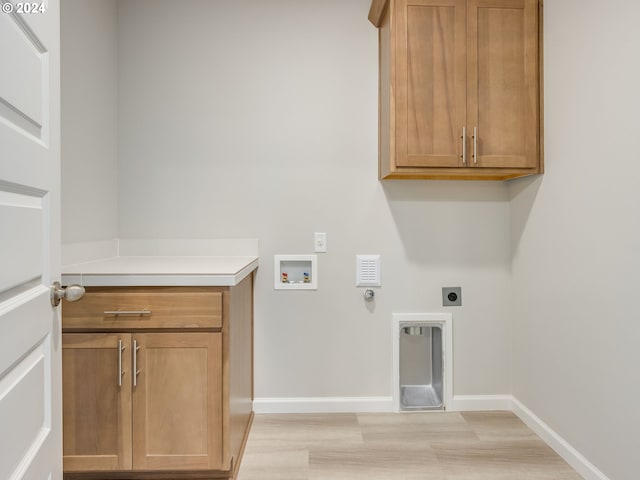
259, 119
89, 81
576, 239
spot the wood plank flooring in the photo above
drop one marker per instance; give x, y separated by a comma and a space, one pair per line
408, 446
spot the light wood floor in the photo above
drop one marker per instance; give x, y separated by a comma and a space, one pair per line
408, 446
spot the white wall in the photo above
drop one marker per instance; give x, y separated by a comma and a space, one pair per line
254, 119
576, 239
89, 120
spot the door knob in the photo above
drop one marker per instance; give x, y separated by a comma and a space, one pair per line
71, 294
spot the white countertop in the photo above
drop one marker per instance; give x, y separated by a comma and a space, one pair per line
160, 271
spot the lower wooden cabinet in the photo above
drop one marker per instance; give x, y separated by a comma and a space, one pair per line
176, 402
96, 407
168, 416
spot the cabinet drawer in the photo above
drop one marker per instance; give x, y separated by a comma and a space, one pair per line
118, 308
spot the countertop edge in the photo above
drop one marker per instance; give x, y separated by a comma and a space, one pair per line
159, 279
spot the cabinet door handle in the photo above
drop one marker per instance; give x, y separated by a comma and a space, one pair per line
464, 146
475, 145
127, 312
135, 363
120, 371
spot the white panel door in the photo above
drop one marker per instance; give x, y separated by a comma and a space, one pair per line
30, 329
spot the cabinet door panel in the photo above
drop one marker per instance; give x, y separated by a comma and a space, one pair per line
503, 82
177, 402
431, 78
97, 411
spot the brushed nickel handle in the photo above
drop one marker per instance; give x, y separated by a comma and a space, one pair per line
72, 293
475, 145
127, 312
464, 146
120, 371
136, 372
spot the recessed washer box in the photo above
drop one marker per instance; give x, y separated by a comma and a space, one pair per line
295, 272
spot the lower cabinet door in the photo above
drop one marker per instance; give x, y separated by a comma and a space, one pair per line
177, 401
96, 379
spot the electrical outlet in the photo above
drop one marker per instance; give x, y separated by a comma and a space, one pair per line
319, 242
451, 296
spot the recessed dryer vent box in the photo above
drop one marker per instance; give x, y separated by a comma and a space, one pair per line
295, 272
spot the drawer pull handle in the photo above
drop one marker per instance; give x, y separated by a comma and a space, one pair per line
127, 312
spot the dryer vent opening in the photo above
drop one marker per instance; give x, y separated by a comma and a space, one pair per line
421, 365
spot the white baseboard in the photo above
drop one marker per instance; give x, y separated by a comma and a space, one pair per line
323, 405
467, 403
478, 403
461, 403
570, 455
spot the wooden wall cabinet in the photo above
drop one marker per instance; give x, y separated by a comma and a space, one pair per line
145, 400
460, 90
